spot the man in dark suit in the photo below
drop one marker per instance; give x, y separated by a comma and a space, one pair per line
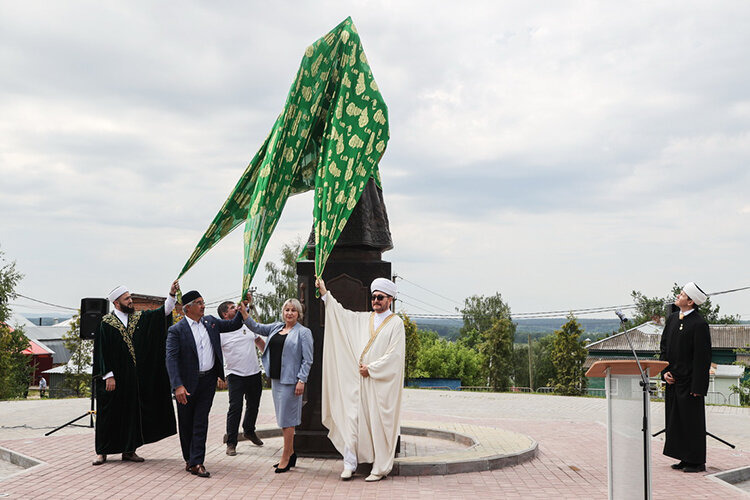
194, 362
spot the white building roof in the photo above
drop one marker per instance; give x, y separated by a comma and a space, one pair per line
729, 371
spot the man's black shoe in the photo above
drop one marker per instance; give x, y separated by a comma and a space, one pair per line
695, 468
253, 438
200, 471
680, 465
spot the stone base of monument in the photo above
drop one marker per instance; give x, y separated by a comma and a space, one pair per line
439, 448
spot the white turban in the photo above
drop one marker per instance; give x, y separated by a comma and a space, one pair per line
117, 293
696, 294
384, 285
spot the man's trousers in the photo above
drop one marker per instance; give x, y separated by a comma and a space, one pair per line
193, 419
250, 389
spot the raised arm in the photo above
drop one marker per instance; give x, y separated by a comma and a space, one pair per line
230, 325
260, 328
172, 298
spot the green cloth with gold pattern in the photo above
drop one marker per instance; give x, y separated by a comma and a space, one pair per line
330, 136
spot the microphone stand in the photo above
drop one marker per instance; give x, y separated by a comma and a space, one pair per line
89, 413
646, 388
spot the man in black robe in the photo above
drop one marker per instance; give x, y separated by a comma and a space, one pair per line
686, 345
133, 396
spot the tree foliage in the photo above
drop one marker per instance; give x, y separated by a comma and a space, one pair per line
544, 369
283, 279
497, 353
439, 358
15, 369
520, 375
77, 377
479, 314
568, 356
743, 389
647, 308
412, 345
488, 329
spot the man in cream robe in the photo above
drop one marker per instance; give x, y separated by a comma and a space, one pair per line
363, 379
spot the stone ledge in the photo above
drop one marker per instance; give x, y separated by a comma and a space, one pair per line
487, 448
18, 459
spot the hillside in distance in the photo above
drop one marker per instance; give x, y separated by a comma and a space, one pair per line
449, 328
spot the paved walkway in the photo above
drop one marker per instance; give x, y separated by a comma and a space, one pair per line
571, 461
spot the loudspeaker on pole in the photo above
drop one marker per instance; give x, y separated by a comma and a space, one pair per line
92, 311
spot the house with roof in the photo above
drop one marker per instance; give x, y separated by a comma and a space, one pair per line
645, 339
40, 355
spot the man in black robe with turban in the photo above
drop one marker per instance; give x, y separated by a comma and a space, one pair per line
686, 345
133, 397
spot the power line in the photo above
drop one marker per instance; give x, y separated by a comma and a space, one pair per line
426, 290
729, 291
402, 294
427, 315
590, 310
47, 303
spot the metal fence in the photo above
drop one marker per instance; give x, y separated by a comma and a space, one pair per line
716, 398
713, 398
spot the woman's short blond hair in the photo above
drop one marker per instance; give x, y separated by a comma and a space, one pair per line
296, 304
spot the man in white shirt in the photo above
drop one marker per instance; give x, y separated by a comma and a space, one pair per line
243, 378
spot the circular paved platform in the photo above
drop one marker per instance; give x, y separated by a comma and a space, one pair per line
473, 448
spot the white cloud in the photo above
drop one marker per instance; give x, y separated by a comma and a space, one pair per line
532, 145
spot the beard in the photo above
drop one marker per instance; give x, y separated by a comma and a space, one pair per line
127, 309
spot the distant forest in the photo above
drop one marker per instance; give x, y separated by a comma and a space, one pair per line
536, 328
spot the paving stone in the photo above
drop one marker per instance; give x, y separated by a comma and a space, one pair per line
570, 460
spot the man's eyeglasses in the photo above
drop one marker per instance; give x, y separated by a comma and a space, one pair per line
379, 297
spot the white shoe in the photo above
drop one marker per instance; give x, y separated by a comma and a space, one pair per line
373, 477
347, 474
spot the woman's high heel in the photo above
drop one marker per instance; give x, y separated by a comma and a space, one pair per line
279, 470
292, 463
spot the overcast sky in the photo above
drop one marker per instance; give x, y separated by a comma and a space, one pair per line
560, 153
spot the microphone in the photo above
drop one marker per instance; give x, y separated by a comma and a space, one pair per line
622, 317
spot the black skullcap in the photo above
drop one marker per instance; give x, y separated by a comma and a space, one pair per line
187, 298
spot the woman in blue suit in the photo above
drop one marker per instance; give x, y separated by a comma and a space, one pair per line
287, 359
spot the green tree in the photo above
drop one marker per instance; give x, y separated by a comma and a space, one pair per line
78, 371
15, 370
541, 356
520, 375
439, 358
497, 351
479, 313
743, 389
542, 369
412, 345
427, 338
283, 279
646, 308
568, 356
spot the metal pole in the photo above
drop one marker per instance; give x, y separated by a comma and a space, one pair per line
531, 372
